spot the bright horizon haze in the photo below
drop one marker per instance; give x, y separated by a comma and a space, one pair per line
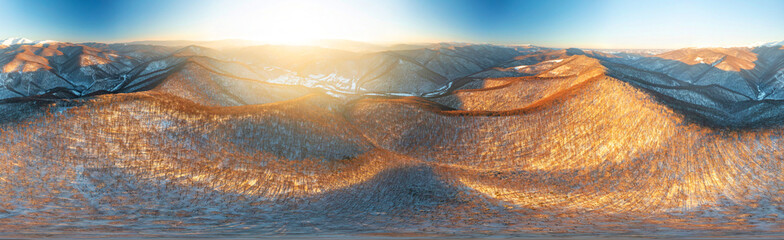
557, 23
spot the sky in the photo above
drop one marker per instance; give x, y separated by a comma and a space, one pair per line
551, 23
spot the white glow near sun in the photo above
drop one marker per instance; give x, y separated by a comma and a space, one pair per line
300, 22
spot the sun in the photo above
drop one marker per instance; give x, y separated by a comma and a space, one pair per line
294, 22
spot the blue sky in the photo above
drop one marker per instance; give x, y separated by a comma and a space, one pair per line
556, 23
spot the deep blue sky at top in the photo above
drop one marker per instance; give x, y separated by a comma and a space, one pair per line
86, 20
558, 23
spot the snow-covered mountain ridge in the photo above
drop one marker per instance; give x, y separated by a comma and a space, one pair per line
21, 41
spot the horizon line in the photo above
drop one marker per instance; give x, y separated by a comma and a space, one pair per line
392, 43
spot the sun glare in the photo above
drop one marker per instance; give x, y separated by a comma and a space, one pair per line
295, 22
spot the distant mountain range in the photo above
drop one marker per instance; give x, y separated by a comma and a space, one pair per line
723, 86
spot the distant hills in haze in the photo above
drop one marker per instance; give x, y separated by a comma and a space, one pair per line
725, 79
